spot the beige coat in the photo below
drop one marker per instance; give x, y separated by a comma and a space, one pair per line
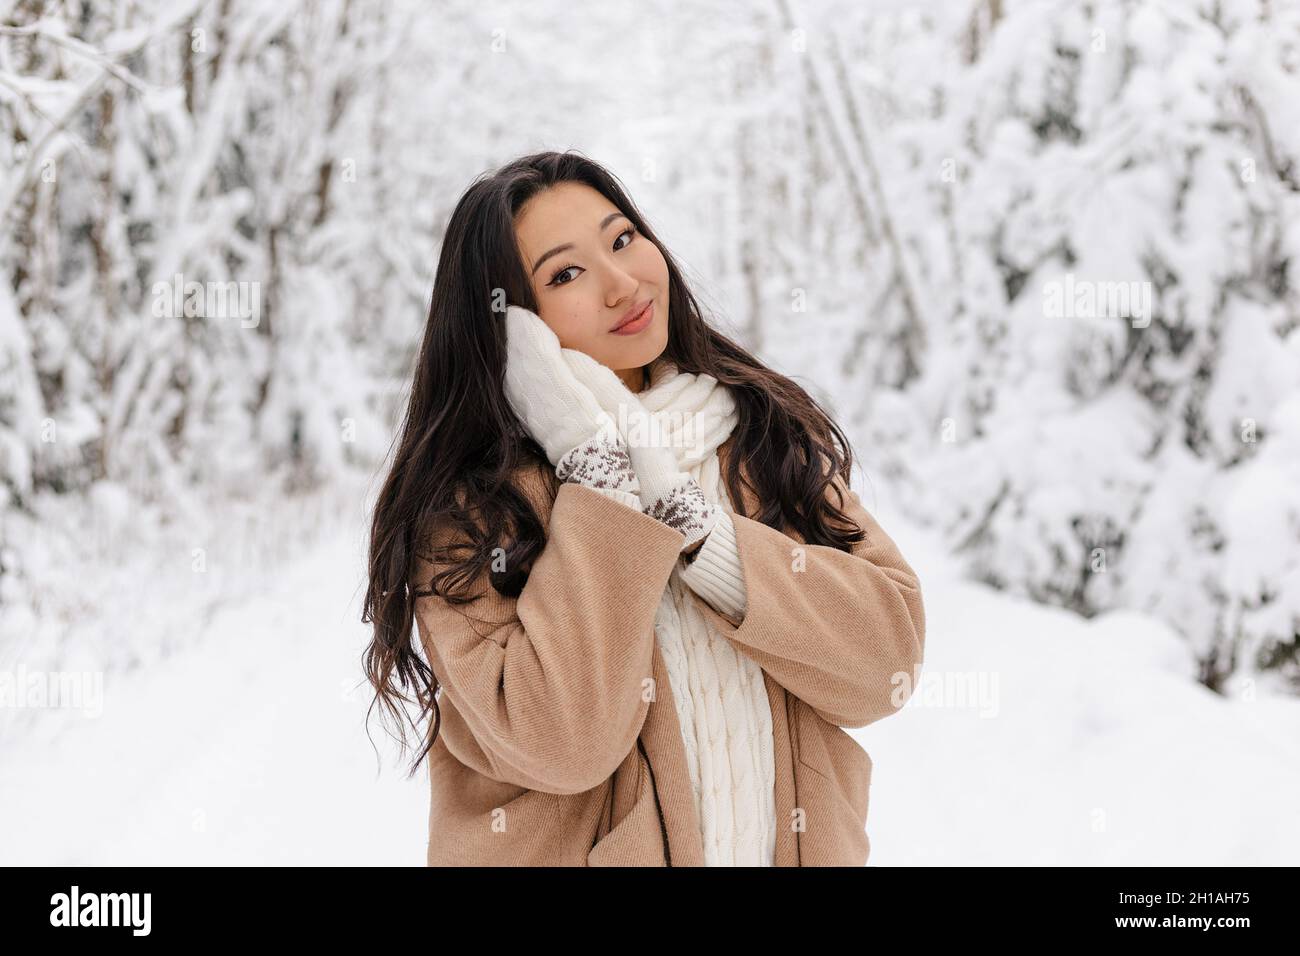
559, 743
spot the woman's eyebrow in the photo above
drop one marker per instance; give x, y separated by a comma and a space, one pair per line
568, 245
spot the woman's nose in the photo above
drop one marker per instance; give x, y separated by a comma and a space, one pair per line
619, 285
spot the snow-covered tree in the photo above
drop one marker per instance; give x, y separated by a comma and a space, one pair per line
1107, 200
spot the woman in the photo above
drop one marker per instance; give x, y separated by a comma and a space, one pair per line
648, 598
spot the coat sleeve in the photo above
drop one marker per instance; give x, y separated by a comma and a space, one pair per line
845, 633
548, 690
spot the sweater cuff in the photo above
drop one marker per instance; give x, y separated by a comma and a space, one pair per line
627, 498
716, 573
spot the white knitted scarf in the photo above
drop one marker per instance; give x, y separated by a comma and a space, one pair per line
719, 693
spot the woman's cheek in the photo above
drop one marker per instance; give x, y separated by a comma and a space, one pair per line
576, 331
660, 265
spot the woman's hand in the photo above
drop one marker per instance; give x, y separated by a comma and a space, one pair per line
559, 410
667, 493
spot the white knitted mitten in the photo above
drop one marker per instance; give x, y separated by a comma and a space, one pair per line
561, 413
670, 494
667, 493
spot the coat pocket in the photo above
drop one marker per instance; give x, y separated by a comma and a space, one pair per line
477, 821
636, 838
833, 789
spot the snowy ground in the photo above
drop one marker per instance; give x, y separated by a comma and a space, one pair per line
1087, 743
1090, 745
249, 748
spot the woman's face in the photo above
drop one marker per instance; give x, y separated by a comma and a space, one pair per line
590, 268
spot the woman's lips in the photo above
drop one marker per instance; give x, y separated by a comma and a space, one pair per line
637, 324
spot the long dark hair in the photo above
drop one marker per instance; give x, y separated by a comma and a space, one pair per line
460, 442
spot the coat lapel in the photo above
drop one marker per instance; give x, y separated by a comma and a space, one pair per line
787, 837
786, 785
661, 733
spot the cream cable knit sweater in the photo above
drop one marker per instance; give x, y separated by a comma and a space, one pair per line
718, 691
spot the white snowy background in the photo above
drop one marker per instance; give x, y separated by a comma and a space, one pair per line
880, 198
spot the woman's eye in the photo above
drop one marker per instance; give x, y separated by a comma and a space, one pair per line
630, 231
